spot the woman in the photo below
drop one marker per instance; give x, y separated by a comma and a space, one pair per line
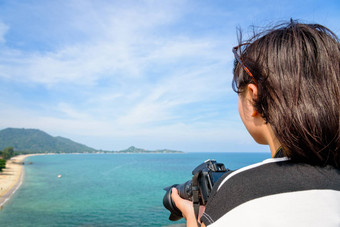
287, 80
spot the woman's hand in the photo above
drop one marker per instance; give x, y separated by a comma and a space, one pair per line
187, 209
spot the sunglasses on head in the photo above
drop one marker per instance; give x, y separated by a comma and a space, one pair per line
237, 56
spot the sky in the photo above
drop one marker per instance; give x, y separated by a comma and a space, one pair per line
149, 73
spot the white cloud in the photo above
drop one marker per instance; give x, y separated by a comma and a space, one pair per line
124, 39
3, 30
86, 63
86, 127
122, 71
124, 51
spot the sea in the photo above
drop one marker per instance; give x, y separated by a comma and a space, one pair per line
105, 189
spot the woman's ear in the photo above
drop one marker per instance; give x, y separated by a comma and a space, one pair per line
252, 90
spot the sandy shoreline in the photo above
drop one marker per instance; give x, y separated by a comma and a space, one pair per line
11, 177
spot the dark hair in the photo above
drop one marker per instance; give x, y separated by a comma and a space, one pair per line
297, 71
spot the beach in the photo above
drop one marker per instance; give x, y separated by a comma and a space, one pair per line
11, 177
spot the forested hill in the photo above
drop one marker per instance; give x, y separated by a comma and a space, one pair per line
37, 141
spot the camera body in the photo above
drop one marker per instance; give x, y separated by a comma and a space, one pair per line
206, 175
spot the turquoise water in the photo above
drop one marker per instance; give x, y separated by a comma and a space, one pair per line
105, 189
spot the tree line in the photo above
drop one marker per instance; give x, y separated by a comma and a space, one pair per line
5, 155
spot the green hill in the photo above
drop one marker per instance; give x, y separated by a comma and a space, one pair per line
37, 141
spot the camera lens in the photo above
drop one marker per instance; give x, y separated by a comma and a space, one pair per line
185, 190
175, 213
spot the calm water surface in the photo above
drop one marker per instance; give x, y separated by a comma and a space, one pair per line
105, 189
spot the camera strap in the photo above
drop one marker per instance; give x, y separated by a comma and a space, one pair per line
195, 195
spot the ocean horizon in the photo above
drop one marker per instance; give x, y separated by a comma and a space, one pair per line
105, 189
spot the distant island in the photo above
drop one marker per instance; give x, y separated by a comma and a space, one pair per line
133, 149
28, 141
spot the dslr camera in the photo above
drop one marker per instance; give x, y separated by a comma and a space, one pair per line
198, 189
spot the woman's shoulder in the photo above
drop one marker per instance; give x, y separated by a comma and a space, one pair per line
270, 183
283, 175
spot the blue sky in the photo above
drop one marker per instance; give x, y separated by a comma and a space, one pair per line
153, 74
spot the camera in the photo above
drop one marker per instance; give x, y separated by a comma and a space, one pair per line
205, 176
